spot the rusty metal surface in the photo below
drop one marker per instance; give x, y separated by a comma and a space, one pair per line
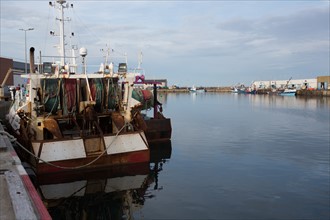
118, 120
52, 126
140, 122
158, 129
104, 161
94, 146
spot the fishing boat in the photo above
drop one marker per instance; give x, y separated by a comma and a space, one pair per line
239, 88
200, 90
234, 90
67, 120
157, 128
288, 92
193, 89
250, 90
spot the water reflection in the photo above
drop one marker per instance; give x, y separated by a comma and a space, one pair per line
290, 102
115, 193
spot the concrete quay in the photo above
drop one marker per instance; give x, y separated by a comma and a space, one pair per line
19, 198
319, 93
302, 92
186, 89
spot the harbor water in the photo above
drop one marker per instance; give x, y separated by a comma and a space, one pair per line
231, 156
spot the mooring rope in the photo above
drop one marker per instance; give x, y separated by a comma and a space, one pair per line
13, 139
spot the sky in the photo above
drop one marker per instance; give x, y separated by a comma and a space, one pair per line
201, 43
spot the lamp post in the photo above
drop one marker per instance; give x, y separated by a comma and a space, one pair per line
25, 30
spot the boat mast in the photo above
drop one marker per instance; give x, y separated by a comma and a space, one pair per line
61, 19
139, 60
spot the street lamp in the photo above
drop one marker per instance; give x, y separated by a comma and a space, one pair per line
25, 30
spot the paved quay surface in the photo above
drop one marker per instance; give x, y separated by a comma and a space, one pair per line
19, 199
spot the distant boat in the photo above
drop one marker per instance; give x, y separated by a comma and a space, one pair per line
193, 89
239, 88
250, 91
241, 91
288, 92
234, 90
245, 91
200, 90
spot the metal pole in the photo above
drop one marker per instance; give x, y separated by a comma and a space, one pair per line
155, 101
25, 30
62, 43
25, 53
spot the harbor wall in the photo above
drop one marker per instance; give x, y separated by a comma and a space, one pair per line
302, 92
186, 89
306, 92
19, 197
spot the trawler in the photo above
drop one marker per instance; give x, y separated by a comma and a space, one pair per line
66, 120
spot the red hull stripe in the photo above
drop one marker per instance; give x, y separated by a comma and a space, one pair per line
104, 161
13, 153
38, 204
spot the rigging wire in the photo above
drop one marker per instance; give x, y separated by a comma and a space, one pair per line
85, 27
47, 30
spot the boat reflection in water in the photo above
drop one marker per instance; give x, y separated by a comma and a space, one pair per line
114, 193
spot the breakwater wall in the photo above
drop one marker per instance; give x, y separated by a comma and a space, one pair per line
206, 89
303, 92
321, 93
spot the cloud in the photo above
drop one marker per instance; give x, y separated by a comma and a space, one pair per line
302, 25
228, 41
306, 30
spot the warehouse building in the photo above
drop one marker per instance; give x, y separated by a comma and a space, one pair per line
281, 84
